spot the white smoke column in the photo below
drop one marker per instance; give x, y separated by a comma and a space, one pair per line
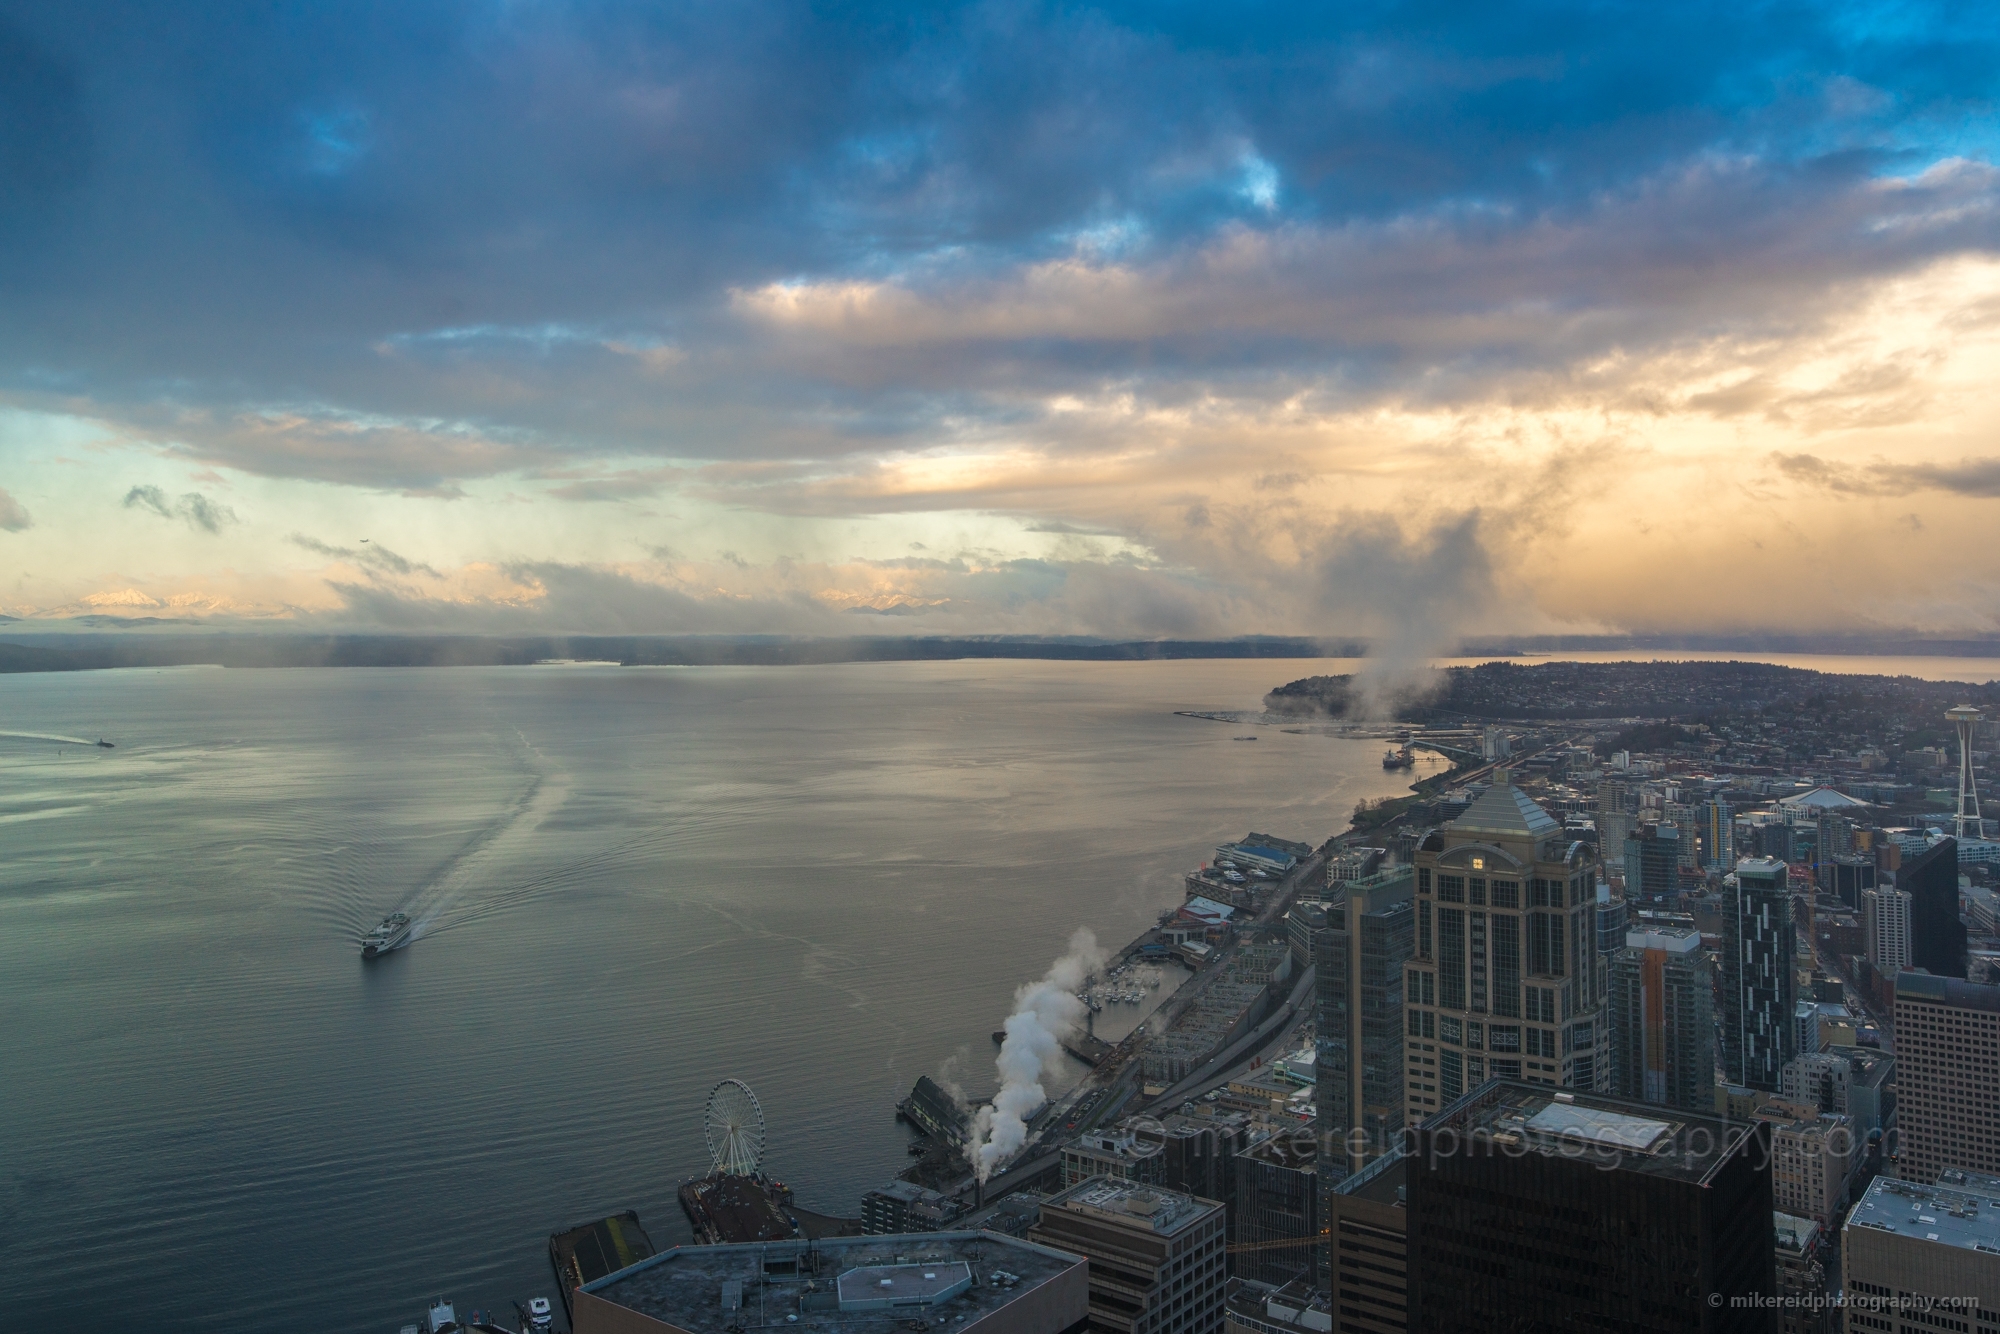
1043, 1012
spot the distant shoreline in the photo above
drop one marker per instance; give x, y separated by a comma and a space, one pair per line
23, 650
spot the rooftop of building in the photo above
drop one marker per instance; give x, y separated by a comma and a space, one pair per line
834, 1284
1799, 1118
1610, 1133
1165, 1212
1297, 1307
907, 1191
1670, 939
1915, 984
1824, 799
1965, 1218
1385, 1181
1794, 1234
1505, 809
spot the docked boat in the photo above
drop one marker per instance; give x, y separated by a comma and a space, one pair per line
1398, 759
393, 933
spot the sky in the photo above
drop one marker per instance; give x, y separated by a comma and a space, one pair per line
1408, 321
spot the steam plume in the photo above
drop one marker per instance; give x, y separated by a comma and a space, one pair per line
1043, 1012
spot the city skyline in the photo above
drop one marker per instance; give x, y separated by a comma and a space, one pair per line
1407, 325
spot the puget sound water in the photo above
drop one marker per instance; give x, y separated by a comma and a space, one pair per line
824, 880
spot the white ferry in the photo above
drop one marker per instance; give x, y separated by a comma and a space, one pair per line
394, 933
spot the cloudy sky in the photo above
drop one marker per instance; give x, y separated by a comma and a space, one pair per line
1404, 320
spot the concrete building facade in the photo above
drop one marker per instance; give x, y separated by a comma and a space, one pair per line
1157, 1257
1885, 928
1948, 1076
1922, 1258
1812, 1159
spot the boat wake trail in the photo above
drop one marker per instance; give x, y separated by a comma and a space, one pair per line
47, 736
501, 843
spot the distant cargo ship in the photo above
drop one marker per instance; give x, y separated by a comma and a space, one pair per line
394, 933
1399, 759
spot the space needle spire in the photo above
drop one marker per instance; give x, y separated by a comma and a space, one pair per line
1968, 823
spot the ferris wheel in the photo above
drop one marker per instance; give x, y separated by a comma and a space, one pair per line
734, 1129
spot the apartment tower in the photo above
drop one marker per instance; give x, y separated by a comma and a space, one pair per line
1759, 975
1661, 1017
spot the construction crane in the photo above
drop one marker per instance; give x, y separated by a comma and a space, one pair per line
1289, 1244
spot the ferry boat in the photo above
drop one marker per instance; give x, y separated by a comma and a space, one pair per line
394, 933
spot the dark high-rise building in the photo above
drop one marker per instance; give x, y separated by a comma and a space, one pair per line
1759, 975
1369, 934
1277, 1201
1661, 1018
1847, 878
1534, 1209
1652, 863
1937, 933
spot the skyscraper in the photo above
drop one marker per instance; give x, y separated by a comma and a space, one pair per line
1937, 933
1885, 926
1503, 984
1661, 1018
1718, 833
1948, 1076
1535, 1209
1759, 975
1358, 1066
1652, 863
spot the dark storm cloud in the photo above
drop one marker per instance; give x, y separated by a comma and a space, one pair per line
402, 245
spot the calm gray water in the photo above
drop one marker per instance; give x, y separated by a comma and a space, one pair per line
822, 880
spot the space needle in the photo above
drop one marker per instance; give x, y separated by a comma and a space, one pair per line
1968, 823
